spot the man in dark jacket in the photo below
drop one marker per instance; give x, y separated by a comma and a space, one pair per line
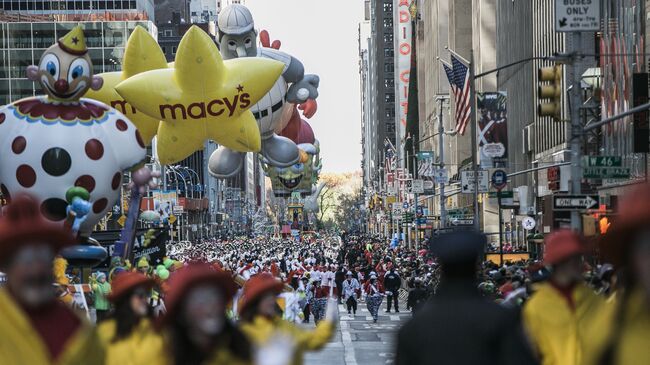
392, 283
458, 326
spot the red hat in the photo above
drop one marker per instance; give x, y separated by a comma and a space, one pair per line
22, 222
127, 281
633, 214
256, 287
562, 245
190, 276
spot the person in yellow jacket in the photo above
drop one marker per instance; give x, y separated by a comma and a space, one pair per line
621, 332
130, 328
558, 314
35, 327
195, 330
261, 321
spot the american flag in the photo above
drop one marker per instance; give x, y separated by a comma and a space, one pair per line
458, 75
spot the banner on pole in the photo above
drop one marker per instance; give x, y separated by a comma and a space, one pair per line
492, 128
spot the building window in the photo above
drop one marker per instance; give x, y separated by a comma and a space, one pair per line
164, 49
388, 23
388, 8
388, 38
390, 113
389, 83
173, 49
389, 52
389, 97
389, 67
168, 32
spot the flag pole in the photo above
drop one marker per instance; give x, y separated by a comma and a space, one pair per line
472, 106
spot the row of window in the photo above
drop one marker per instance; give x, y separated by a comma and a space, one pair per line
13, 5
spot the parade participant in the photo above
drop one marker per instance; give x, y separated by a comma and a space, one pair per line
339, 277
261, 320
350, 292
309, 294
101, 288
374, 296
619, 334
458, 326
318, 302
36, 328
129, 329
563, 299
195, 329
392, 283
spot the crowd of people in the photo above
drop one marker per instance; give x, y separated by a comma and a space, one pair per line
269, 300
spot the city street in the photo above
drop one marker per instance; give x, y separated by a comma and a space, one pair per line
360, 341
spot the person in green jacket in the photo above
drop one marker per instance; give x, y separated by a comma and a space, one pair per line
101, 288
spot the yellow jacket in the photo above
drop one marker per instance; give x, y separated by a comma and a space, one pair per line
122, 352
20, 344
634, 341
158, 353
557, 331
262, 329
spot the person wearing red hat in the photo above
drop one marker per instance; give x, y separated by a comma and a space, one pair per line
36, 328
130, 328
559, 312
195, 329
621, 330
262, 322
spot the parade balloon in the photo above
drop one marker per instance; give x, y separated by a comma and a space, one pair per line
142, 53
300, 177
203, 97
52, 143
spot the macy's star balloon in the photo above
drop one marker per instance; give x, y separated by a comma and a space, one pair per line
202, 97
142, 53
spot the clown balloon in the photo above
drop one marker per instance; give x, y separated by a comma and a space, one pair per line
52, 146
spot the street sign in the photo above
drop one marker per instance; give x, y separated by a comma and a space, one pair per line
417, 187
575, 202
405, 205
171, 219
462, 222
499, 179
121, 220
606, 173
577, 15
428, 185
504, 194
603, 161
177, 209
467, 181
528, 223
425, 155
441, 176
493, 150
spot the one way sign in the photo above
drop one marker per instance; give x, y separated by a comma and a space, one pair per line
575, 202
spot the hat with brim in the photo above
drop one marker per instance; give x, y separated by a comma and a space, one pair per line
258, 286
126, 282
457, 247
22, 222
190, 276
633, 216
562, 245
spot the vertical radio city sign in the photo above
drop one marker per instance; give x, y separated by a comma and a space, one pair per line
402, 44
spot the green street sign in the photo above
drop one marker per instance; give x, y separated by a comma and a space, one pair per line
603, 161
504, 194
425, 155
606, 172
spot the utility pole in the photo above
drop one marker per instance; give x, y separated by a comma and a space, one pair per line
472, 106
576, 132
441, 154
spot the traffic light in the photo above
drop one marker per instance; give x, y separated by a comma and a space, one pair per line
549, 92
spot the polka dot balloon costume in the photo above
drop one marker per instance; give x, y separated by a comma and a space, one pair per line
51, 143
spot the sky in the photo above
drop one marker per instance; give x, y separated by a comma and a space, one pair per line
323, 34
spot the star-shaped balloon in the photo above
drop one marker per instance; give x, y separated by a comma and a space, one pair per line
142, 53
202, 97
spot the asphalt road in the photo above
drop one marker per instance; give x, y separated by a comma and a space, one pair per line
360, 341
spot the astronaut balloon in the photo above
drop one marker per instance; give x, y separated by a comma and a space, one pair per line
237, 38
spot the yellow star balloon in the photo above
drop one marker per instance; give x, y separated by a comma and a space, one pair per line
202, 97
142, 53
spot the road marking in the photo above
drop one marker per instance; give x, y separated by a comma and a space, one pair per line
394, 318
346, 338
368, 318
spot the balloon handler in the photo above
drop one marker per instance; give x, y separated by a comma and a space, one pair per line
59, 141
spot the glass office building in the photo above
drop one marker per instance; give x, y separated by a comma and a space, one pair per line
21, 45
